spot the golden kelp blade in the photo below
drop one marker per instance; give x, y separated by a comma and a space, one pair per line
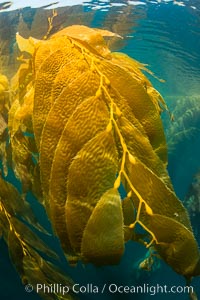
103, 237
4, 94
26, 45
38, 270
92, 36
15, 205
4, 85
139, 146
176, 245
4, 107
35, 270
98, 159
166, 204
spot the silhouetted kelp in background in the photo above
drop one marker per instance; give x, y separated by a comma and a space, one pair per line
192, 203
183, 133
82, 122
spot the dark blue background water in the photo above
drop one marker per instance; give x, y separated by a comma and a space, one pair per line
165, 36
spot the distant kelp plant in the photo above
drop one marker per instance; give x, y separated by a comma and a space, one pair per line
83, 125
185, 126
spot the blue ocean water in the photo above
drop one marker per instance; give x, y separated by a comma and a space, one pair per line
165, 35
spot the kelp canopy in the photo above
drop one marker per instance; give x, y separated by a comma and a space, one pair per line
85, 136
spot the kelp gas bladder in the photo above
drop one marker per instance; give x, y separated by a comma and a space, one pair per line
85, 124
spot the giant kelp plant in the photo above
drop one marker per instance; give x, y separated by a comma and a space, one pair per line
83, 125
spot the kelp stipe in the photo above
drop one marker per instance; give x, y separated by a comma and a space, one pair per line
84, 122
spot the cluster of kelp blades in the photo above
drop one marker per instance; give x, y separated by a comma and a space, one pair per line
80, 128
